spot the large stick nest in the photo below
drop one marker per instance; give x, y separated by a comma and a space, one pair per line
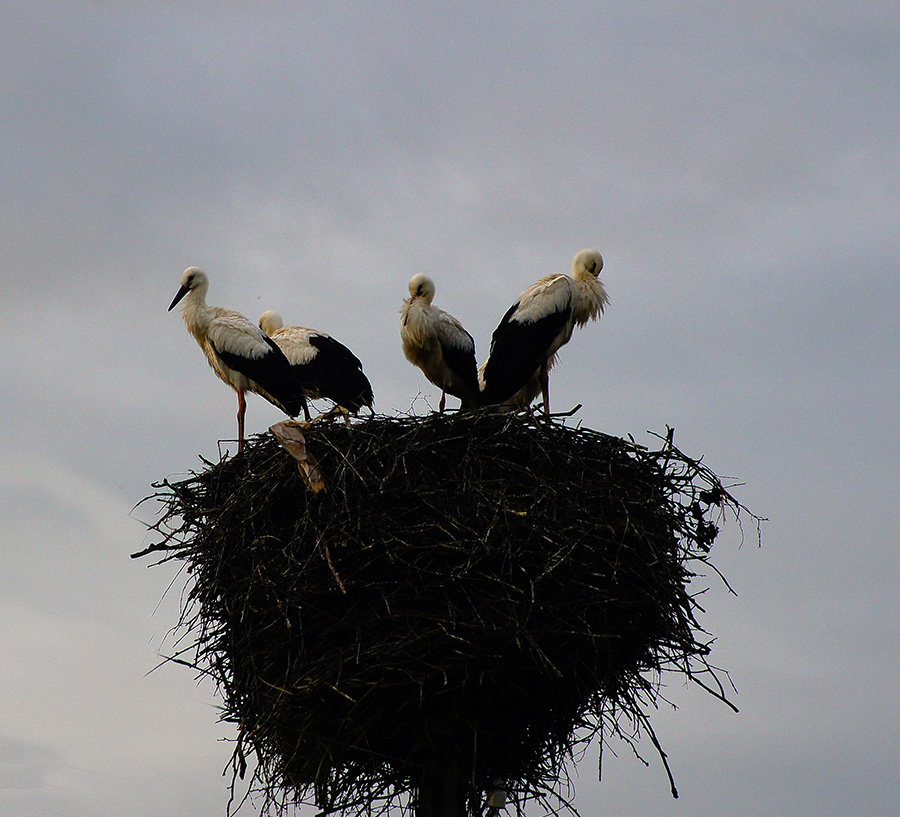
472, 585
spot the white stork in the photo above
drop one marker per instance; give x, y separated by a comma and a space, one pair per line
438, 344
323, 366
240, 353
524, 345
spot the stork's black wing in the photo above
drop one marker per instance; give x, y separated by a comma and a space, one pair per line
517, 350
271, 370
464, 366
336, 373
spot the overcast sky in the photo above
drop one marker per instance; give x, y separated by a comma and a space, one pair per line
738, 165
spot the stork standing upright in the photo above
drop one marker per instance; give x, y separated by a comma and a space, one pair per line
525, 343
438, 344
238, 351
322, 365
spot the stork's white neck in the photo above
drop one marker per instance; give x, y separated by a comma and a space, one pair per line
590, 298
196, 314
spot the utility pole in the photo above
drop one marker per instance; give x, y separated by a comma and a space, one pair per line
443, 790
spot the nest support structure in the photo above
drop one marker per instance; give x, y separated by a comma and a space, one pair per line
471, 598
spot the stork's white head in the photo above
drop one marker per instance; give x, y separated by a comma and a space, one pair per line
587, 262
193, 279
270, 321
421, 286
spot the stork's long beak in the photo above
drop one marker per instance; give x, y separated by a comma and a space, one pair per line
178, 296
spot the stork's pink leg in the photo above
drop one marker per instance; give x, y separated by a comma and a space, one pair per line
544, 379
242, 410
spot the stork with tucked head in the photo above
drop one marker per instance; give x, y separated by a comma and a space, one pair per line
438, 344
238, 351
322, 365
525, 343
